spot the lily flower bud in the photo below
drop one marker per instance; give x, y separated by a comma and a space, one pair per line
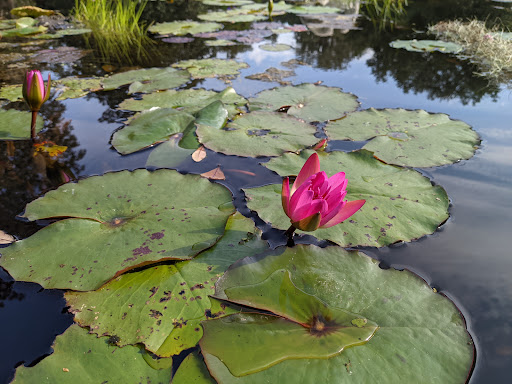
34, 92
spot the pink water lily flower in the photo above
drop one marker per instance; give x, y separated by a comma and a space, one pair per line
315, 200
33, 90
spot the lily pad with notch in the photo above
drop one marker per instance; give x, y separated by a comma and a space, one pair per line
112, 227
408, 138
401, 204
308, 102
147, 80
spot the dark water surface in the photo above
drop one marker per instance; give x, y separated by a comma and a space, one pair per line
469, 259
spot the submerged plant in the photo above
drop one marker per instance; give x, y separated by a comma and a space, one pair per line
35, 95
116, 29
315, 200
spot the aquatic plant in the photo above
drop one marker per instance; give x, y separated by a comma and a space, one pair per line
489, 48
117, 32
385, 12
35, 95
316, 201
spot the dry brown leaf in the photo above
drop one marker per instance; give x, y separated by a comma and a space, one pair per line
199, 154
5, 238
214, 174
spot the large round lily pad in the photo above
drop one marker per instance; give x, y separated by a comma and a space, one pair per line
117, 222
183, 27
149, 128
203, 68
410, 138
259, 134
306, 101
80, 357
427, 46
421, 334
401, 204
188, 100
16, 124
147, 80
162, 306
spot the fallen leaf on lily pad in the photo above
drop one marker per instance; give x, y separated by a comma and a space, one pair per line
5, 238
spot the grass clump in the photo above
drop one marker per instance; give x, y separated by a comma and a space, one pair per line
385, 12
490, 49
118, 34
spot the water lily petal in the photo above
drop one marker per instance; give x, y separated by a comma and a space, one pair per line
298, 201
310, 167
348, 210
308, 224
298, 195
308, 209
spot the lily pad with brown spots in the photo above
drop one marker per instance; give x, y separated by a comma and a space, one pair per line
116, 222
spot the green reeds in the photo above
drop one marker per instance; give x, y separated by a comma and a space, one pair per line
118, 34
385, 12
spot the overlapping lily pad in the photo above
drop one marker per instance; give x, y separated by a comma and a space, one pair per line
73, 87
162, 306
227, 3
259, 134
184, 27
193, 370
305, 328
188, 100
117, 222
427, 46
312, 9
149, 128
420, 334
147, 80
409, 138
11, 92
16, 124
80, 357
307, 101
235, 15
401, 204
203, 68
275, 47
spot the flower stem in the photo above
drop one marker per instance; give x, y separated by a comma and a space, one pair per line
289, 234
33, 126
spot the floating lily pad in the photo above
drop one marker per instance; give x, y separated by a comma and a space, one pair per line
305, 328
409, 138
312, 9
219, 43
16, 124
185, 27
275, 47
178, 40
427, 46
73, 31
23, 31
73, 87
401, 204
272, 75
259, 134
227, 3
193, 370
421, 334
232, 16
113, 227
147, 80
7, 24
149, 306
11, 92
188, 100
200, 69
24, 22
307, 101
169, 154
30, 11
246, 36
80, 357
60, 55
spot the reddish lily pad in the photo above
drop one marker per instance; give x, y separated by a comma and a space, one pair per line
401, 204
113, 227
155, 306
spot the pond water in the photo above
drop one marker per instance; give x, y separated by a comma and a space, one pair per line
468, 259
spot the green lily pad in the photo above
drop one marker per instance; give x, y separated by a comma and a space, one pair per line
275, 47
236, 15
23, 31
16, 124
149, 128
259, 134
188, 100
73, 87
421, 333
80, 357
307, 101
31, 11
184, 27
147, 80
192, 370
306, 328
401, 204
409, 138
7, 24
73, 31
312, 9
219, 43
149, 306
203, 68
113, 227
272, 75
169, 154
11, 92
24, 22
427, 46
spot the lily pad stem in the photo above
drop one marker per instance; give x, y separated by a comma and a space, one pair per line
289, 234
